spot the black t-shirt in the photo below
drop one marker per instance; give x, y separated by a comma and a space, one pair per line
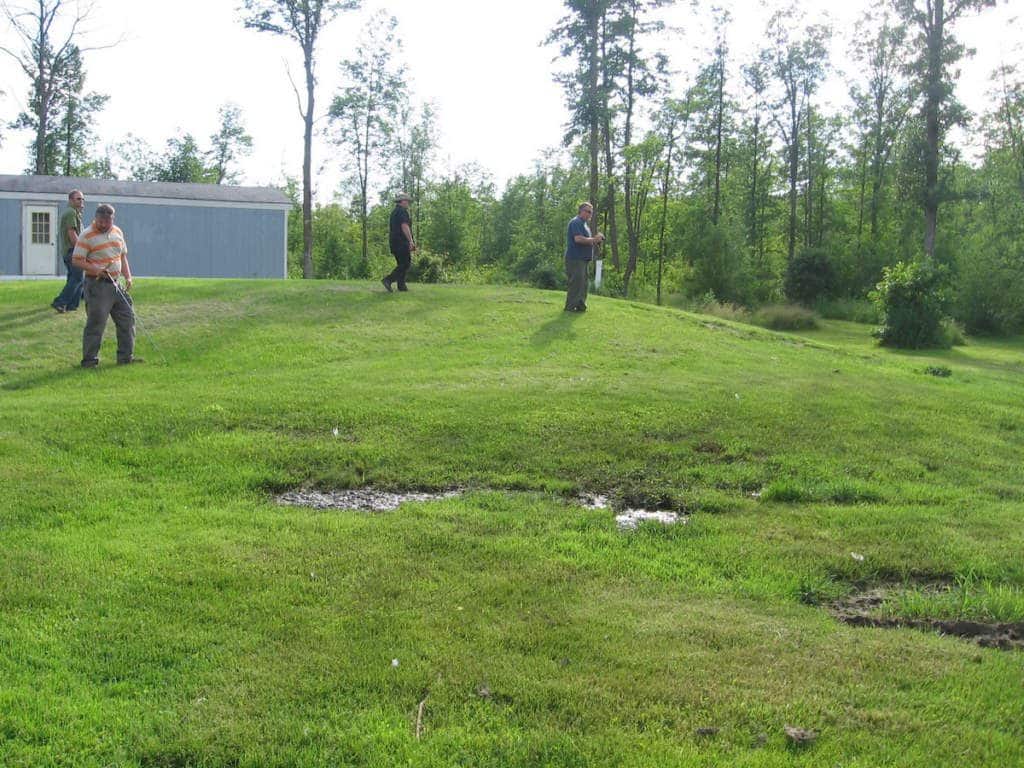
397, 238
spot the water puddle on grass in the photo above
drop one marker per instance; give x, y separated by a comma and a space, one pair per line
864, 610
630, 519
359, 499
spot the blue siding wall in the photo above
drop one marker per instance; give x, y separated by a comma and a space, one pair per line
10, 237
176, 240
195, 241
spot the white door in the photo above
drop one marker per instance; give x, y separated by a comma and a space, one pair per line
39, 242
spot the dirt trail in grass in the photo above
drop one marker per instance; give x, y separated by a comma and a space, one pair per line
862, 610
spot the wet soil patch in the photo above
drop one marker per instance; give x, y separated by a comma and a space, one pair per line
864, 610
360, 499
630, 518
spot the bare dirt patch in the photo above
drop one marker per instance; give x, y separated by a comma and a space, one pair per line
864, 610
360, 499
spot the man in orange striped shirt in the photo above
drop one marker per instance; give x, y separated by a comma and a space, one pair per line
102, 253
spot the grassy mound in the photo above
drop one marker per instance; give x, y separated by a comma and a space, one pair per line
157, 608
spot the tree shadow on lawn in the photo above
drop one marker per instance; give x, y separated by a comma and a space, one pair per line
965, 357
558, 327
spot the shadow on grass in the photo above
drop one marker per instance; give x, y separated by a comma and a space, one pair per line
47, 378
558, 327
12, 320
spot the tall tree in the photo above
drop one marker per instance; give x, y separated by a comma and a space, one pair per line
578, 35
70, 137
301, 21
641, 77
414, 144
880, 102
798, 66
757, 145
364, 114
670, 123
229, 143
712, 121
47, 51
932, 71
76, 118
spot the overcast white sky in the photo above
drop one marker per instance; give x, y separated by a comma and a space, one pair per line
479, 61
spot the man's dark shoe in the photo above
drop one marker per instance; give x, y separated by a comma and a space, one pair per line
131, 362
402, 287
90, 363
386, 282
60, 310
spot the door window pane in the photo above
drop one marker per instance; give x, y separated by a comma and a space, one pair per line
40, 228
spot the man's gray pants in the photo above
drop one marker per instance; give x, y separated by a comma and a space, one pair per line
104, 300
576, 273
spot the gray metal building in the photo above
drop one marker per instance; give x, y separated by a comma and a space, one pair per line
173, 230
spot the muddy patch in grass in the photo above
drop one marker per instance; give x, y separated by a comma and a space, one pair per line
629, 519
359, 499
868, 609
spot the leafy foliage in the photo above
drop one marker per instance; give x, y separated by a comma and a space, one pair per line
912, 299
810, 277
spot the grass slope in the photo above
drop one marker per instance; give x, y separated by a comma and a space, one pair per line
158, 609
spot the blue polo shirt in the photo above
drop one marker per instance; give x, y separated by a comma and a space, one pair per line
574, 250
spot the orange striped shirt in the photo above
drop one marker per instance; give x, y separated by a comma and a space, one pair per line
102, 249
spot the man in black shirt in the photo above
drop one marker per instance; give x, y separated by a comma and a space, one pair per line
401, 242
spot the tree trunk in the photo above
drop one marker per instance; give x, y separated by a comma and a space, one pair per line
752, 209
307, 169
719, 118
933, 99
594, 139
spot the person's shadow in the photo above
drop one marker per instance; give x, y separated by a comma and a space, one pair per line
558, 327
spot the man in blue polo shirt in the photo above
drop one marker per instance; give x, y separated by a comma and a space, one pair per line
579, 250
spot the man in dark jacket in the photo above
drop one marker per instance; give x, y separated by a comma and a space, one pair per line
400, 241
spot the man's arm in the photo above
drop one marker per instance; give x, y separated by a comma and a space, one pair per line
408, 234
78, 259
72, 236
126, 271
584, 240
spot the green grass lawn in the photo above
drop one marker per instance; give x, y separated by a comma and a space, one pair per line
158, 608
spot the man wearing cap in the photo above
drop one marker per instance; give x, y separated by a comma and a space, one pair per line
401, 242
70, 227
101, 252
579, 250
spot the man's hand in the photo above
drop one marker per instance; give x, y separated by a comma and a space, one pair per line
128, 282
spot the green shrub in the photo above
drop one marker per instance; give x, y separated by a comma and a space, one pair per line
990, 291
785, 317
851, 310
953, 334
427, 267
719, 266
809, 277
912, 300
709, 305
